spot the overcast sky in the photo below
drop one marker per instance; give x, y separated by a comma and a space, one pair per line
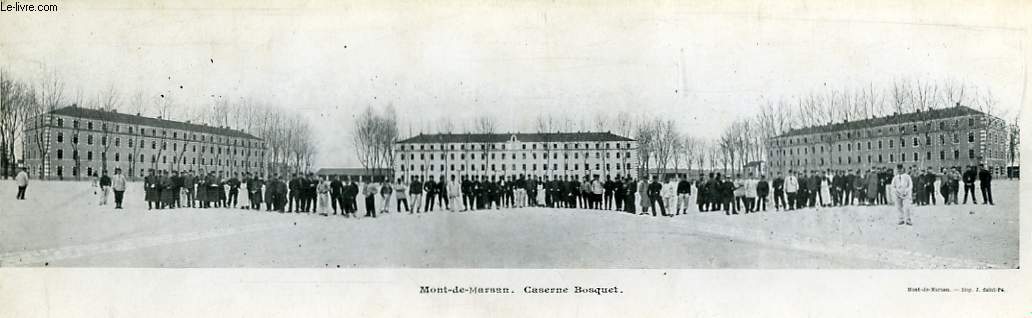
700, 64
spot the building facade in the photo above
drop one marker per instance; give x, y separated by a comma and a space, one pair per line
939, 138
513, 154
72, 142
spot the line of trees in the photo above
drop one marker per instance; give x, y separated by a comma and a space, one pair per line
373, 135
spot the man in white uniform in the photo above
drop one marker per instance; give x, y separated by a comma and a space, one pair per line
902, 189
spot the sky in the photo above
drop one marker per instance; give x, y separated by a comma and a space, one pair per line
703, 64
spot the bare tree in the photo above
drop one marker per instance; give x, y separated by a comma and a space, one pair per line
17, 100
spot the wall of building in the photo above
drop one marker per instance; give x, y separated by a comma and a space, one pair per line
949, 142
117, 147
516, 158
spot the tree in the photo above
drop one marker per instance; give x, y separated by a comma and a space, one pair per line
49, 95
17, 99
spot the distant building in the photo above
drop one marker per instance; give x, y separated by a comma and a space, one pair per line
358, 174
102, 139
947, 137
757, 168
512, 154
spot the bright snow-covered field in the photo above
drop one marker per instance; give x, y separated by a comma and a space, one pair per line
61, 225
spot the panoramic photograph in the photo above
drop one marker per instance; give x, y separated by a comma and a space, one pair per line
293, 137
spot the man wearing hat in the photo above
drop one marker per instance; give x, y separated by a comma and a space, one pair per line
22, 179
118, 183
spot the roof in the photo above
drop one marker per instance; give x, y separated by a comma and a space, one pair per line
351, 172
112, 116
932, 114
522, 137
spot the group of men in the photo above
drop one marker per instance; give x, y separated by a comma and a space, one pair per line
169, 190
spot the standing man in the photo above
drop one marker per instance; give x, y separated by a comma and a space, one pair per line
369, 192
467, 193
985, 181
607, 198
118, 183
105, 187
254, 192
401, 195
416, 193
644, 201
385, 194
454, 189
631, 187
779, 193
430, 187
351, 198
270, 192
655, 190
792, 190
188, 188
294, 186
337, 194
969, 184
684, 192
234, 190
669, 194
22, 180
442, 193
619, 193
902, 188
762, 189
597, 191
150, 189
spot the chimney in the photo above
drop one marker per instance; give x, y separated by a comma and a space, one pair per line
958, 104
137, 114
159, 117
187, 121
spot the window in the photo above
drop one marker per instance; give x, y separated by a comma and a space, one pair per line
971, 136
60, 137
915, 156
60, 154
60, 122
89, 139
915, 142
971, 122
89, 125
89, 156
971, 154
928, 156
942, 155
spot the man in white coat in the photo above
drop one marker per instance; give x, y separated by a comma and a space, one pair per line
902, 189
669, 193
22, 180
454, 191
118, 183
791, 189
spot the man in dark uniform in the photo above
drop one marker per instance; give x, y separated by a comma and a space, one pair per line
442, 193
985, 180
234, 190
215, 193
270, 198
294, 186
608, 188
337, 194
532, 184
351, 198
254, 191
492, 192
619, 193
575, 192
177, 186
714, 193
467, 193
416, 194
430, 188
631, 187
762, 189
546, 185
969, 178
202, 189
311, 188
779, 193
654, 196
165, 188
150, 189
281, 194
